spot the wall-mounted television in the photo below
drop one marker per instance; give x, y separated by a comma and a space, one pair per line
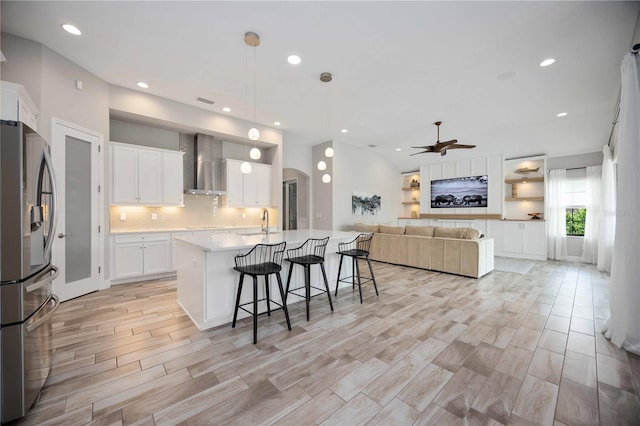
462, 192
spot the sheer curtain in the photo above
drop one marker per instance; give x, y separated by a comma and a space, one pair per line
592, 221
556, 215
623, 328
607, 230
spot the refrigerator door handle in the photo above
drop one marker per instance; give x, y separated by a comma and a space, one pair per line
41, 283
37, 323
54, 202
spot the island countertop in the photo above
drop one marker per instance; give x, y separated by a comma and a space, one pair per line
226, 242
207, 283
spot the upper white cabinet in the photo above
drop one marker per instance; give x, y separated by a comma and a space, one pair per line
248, 190
17, 105
172, 178
145, 176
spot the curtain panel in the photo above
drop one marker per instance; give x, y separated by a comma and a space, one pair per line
593, 219
623, 328
556, 212
606, 232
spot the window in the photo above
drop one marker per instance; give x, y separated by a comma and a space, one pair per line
575, 196
576, 217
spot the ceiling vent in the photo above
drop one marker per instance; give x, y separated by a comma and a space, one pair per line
205, 101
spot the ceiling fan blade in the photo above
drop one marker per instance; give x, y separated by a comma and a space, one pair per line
421, 152
449, 142
461, 146
427, 148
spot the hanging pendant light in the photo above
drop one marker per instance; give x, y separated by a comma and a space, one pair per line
325, 77
251, 39
245, 167
255, 153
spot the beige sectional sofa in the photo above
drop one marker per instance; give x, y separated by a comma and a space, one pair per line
461, 251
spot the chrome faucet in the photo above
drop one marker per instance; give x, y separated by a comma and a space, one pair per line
265, 217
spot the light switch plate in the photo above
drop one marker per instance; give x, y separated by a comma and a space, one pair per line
154, 216
123, 216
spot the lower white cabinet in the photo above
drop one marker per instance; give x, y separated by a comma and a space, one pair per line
524, 239
137, 255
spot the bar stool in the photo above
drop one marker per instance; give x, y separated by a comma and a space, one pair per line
356, 249
308, 254
261, 260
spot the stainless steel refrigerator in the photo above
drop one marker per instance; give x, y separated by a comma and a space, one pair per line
27, 302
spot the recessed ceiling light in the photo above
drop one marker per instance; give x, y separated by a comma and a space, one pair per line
294, 59
71, 29
562, 114
276, 123
226, 109
344, 130
547, 62
398, 149
143, 85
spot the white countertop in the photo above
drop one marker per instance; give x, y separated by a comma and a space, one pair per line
186, 229
225, 242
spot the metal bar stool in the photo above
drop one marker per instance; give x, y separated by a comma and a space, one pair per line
261, 260
309, 253
356, 249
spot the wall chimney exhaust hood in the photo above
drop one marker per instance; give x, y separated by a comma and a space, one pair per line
206, 177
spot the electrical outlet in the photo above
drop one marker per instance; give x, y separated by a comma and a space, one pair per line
123, 216
154, 216
243, 215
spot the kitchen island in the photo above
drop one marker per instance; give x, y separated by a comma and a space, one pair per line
207, 283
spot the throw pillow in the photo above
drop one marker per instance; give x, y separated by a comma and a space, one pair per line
365, 227
471, 234
398, 230
424, 231
446, 232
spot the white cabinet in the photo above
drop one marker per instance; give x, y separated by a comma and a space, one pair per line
172, 178
145, 176
248, 190
137, 255
17, 105
524, 239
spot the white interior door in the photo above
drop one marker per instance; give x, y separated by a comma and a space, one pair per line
77, 250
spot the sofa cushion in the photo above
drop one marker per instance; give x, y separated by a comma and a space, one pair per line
366, 227
397, 230
471, 234
423, 231
447, 232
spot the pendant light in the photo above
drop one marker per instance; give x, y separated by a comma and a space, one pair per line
251, 39
325, 77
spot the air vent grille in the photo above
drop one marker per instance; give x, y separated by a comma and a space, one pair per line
206, 101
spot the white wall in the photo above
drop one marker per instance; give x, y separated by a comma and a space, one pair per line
360, 170
50, 80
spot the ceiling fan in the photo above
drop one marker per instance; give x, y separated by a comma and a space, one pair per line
441, 147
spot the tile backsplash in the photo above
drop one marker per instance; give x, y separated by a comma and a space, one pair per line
199, 211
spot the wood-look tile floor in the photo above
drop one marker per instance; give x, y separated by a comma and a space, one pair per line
431, 349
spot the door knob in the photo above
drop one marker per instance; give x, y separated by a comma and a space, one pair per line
61, 235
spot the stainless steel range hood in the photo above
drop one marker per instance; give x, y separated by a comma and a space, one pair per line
203, 166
